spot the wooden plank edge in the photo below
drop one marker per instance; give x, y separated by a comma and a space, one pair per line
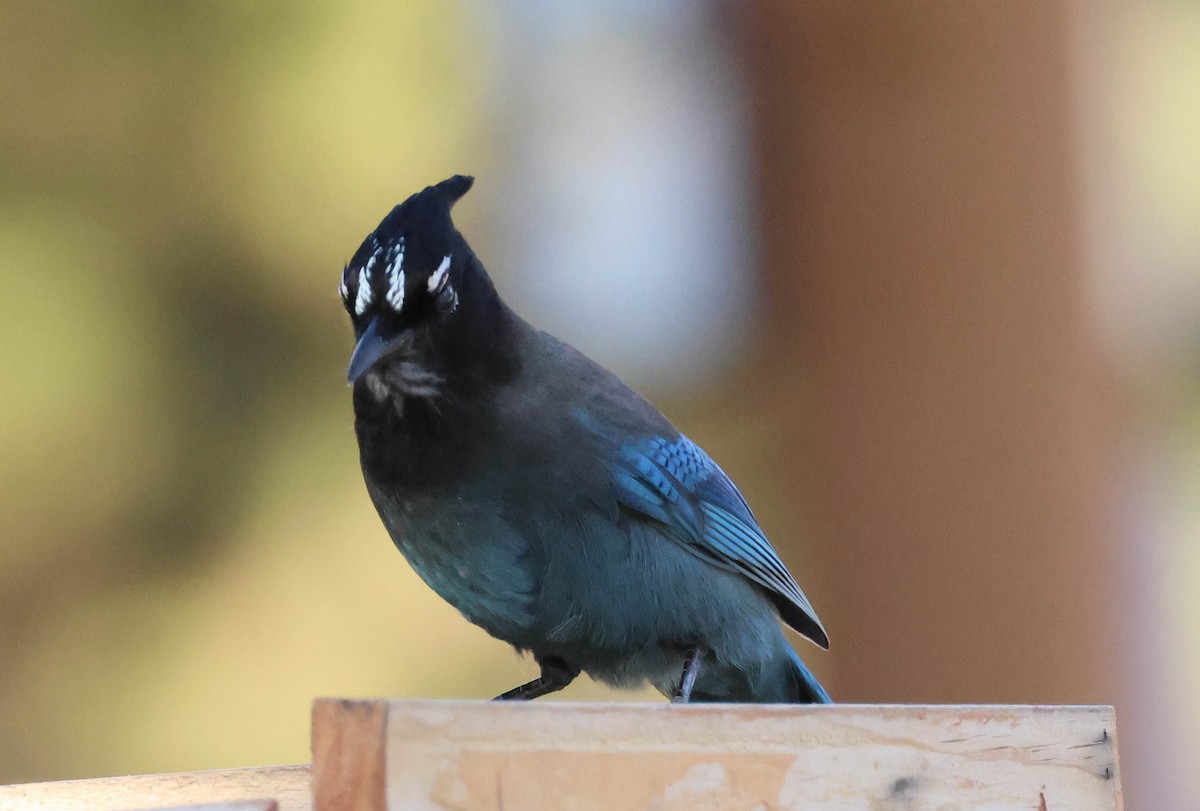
349, 745
288, 786
235, 805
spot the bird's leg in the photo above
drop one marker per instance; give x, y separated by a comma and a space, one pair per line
556, 674
691, 669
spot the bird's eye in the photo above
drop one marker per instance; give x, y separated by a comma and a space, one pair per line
446, 299
444, 295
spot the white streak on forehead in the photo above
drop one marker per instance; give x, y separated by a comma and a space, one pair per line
373, 258
395, 273
365, 294
435, 280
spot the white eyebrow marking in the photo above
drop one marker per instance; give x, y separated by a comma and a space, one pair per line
395, 293
363, 301
435, 280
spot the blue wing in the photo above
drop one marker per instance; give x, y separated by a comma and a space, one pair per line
674, 482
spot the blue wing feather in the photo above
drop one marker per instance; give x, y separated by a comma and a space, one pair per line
675, 482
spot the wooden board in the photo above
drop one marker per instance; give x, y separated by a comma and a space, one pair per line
491, 756
288, 786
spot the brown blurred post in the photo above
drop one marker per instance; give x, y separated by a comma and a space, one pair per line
930, 345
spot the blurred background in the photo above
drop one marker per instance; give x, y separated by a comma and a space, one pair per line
925, 279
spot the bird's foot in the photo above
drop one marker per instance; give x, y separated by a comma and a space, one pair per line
556, 674
691, 669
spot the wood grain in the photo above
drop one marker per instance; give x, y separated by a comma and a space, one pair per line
494, 756
411, 755
288, 786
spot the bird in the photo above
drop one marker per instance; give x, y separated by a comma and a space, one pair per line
540, 496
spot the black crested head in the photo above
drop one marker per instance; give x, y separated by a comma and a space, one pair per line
406, 265
422, 305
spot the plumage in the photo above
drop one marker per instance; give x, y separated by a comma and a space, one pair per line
545, 500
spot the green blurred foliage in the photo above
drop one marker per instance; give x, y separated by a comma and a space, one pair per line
186, 553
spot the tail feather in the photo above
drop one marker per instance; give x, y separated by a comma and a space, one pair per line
805, 686
781, 680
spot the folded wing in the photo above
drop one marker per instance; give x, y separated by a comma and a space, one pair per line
675, 483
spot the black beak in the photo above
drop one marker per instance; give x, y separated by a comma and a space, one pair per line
377, 342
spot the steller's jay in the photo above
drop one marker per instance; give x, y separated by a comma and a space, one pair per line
545, 500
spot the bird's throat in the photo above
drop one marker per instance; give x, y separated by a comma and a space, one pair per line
423, 415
